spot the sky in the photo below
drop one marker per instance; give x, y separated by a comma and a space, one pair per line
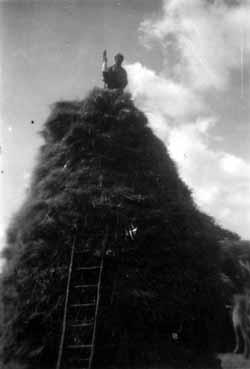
188, 67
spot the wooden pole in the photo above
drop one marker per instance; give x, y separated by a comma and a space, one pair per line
60, 352
104, 246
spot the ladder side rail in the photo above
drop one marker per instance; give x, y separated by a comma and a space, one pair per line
60, 352
98, 299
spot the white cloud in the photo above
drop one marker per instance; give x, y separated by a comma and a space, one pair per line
26, 179
205, 40
210, 39
2, 231
157, 93
235, 166
220, 181
206, 195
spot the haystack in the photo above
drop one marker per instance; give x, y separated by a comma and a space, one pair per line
102, 173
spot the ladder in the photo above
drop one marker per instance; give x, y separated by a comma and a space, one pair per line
77, 343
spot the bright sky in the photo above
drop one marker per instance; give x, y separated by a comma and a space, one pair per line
188, 64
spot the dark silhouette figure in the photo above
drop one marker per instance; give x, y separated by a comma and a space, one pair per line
114, 77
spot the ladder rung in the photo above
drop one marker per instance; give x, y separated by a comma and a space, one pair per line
88, 268
82, 251
79, 346
85, 285
80, 305
80, 324
79, 360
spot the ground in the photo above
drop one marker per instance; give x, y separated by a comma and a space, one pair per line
229, 361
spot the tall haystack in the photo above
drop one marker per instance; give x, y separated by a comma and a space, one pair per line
103, 174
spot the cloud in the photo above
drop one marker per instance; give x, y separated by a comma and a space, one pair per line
203, 43
235, 166
220, 181
26, 179
173, 99
208, 38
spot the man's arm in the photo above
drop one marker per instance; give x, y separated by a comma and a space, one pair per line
124, 79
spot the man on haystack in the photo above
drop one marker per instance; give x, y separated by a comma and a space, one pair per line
114, 77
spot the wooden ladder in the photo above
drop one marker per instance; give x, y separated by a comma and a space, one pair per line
77, 343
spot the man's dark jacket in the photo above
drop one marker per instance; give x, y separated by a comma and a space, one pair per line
115, 77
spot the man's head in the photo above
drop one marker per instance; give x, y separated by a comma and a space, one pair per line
119, 59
